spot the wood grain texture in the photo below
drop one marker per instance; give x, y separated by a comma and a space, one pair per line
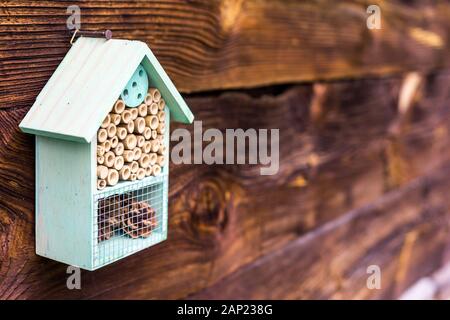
220, 219
207, 45
403, 233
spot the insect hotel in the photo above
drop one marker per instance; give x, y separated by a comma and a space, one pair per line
102, 141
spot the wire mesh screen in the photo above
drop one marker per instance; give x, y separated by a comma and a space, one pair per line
127, 221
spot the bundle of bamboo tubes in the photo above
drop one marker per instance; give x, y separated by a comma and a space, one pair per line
130, 141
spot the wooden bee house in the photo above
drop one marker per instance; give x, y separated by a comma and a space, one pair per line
102, 140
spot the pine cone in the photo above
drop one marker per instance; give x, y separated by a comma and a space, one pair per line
140, 220
110, 212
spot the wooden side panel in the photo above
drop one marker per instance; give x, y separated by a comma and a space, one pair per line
159, 79
64, 223
166, 172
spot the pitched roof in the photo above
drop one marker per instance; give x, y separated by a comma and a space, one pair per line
84, 87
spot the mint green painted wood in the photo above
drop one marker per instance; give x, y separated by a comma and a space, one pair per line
113, 190
136, 89
86, 84
130, 246
64, 201
179, 110
165, 172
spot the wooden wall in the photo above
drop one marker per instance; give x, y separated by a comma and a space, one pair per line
364, 158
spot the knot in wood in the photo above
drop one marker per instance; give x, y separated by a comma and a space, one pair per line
208, 208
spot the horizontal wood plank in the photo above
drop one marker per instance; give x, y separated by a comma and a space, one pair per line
404, 234
343, 145
209, 45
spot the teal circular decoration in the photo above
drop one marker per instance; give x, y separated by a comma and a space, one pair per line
136, 89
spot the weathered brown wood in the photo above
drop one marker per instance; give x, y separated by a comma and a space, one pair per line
332, 161
403, 233
208, 45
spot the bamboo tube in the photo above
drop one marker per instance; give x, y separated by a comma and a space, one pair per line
153, 158
102, 172
112, 129
144, 161
161, 104
152, 122
106, 145
148, 171
140, 141
115, 118
140, 173
153, 109
147, 148
147, 133
155, 145
154, 134
162, 116
131, 127
128, 155
162, 149
142, 109
101, 159
137, 153
156, 170
109, 159
160, 138
122, 132
114, 142
102, 135
134, 113
130, 142
118, 163
161, 128
139, 125
124, 173
134, 166
118, 150
148, 99
133, 177
119, 107
160, 161
101, 184
100, 150
106, 122
156, 95
113, 177
126, 116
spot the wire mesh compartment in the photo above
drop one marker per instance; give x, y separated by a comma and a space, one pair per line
129, 220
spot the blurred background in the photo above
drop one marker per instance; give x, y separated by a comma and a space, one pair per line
360, 207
